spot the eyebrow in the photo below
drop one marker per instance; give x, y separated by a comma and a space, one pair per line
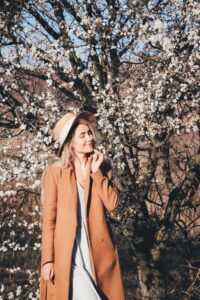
84, 131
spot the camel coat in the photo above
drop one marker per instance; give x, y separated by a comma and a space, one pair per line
59, 222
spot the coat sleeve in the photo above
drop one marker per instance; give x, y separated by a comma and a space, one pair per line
48, 219
106, 188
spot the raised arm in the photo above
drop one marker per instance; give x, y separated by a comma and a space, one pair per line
106, 188
49, 199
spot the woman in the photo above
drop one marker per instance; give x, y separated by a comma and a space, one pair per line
79, 259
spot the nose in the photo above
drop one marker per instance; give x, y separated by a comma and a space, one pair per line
89, 137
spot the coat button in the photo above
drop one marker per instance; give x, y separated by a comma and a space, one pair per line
101, 240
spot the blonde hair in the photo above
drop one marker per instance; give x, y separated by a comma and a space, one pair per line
67, 153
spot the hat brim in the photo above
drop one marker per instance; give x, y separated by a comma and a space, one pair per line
81, 115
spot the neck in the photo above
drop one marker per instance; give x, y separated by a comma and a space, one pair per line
80, 159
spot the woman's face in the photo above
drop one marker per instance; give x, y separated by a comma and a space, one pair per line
83, 139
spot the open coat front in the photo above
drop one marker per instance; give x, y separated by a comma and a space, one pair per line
59, 222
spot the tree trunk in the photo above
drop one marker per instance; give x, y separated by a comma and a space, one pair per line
151, 282
151, 274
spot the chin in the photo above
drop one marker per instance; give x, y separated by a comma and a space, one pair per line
90, 151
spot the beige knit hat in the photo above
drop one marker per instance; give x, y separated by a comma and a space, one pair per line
63, 126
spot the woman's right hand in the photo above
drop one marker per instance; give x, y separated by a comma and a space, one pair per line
48, 271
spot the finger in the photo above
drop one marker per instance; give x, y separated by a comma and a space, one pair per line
97, 151
100, 154
43, 274
95, 156
51, 273
47, 275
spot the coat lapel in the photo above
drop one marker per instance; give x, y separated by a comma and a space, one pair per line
69, 184
87, 182
74, 192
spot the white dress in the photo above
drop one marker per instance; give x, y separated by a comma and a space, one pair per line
82, 285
